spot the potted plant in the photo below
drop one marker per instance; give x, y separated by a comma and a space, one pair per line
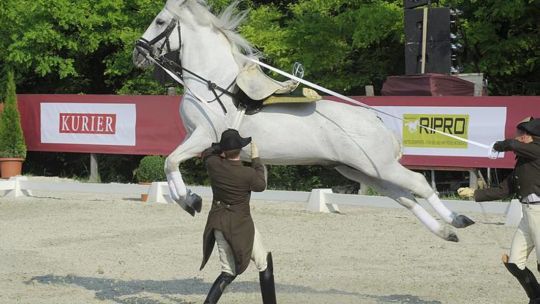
150, 169
12, 145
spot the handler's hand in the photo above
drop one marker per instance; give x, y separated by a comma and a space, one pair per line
254, 150
465, 192
502, 146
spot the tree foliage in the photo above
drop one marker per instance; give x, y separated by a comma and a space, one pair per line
340, 42
501, 40
62, 46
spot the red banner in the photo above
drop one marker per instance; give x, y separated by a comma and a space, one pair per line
101, 123
152, 125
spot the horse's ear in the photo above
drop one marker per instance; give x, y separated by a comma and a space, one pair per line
174, 4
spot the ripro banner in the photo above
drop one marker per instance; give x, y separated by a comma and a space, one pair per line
417, 125
482, 120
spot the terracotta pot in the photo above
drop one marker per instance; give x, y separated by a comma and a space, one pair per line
144, 196
10, 167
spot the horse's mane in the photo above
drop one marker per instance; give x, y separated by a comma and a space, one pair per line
227, 22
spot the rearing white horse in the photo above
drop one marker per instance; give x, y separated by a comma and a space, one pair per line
350, 138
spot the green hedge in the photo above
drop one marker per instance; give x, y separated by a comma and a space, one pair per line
151, 169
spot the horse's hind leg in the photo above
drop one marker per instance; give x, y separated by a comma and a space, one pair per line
417, 184
403, 197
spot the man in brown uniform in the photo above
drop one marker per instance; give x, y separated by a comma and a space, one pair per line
524, 182
229, 222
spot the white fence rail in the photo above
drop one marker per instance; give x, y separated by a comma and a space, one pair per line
318, 200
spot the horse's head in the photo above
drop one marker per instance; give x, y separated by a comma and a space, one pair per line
163, 36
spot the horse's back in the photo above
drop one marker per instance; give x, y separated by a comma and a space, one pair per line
364, 126
320, 132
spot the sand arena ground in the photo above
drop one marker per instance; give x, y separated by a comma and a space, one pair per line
80, 248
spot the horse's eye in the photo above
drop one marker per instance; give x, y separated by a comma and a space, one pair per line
160, 22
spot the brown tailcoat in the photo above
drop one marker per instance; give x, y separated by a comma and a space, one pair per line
232, 184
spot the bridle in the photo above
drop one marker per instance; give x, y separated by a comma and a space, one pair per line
148, 49
148, 46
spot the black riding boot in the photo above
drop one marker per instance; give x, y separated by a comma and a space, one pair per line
218, 287
527, 280
266, 278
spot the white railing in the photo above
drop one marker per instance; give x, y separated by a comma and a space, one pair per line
318, 200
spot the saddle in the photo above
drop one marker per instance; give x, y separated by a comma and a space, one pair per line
258, 90
300, 95
258, 86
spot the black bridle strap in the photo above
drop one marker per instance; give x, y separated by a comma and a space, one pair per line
147, 46
166, 33
211, 85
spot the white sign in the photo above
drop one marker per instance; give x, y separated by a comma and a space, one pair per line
484, 125
88, 124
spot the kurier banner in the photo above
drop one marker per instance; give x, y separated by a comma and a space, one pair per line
88, 124
101, 123
152, 125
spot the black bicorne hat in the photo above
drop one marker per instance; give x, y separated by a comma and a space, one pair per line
523, 122
231, 140
532, 126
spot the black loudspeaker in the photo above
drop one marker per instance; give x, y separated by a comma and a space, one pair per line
438, 24
438, 41
414, 3
438, 57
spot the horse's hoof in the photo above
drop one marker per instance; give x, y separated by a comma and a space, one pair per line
452, 237
194, 201
446, 233
461, 221
187, 205
190, 210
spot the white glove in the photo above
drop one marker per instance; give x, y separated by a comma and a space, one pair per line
254, 150
465, 192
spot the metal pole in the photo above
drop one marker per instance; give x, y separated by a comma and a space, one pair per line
370, 91
424, 38
433, 181
473, 179
94, 169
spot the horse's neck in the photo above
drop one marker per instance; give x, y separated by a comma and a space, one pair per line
208, 53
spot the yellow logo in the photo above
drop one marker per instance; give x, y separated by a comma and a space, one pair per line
416, 135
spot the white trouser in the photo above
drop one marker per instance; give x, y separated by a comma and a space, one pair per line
527, 236
226, 256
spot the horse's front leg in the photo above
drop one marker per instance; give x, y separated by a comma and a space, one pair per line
190, 148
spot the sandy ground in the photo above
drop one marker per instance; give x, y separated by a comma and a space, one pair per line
78, 248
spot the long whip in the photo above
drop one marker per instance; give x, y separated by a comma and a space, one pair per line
358, 103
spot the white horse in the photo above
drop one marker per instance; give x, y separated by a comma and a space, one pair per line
352, 139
